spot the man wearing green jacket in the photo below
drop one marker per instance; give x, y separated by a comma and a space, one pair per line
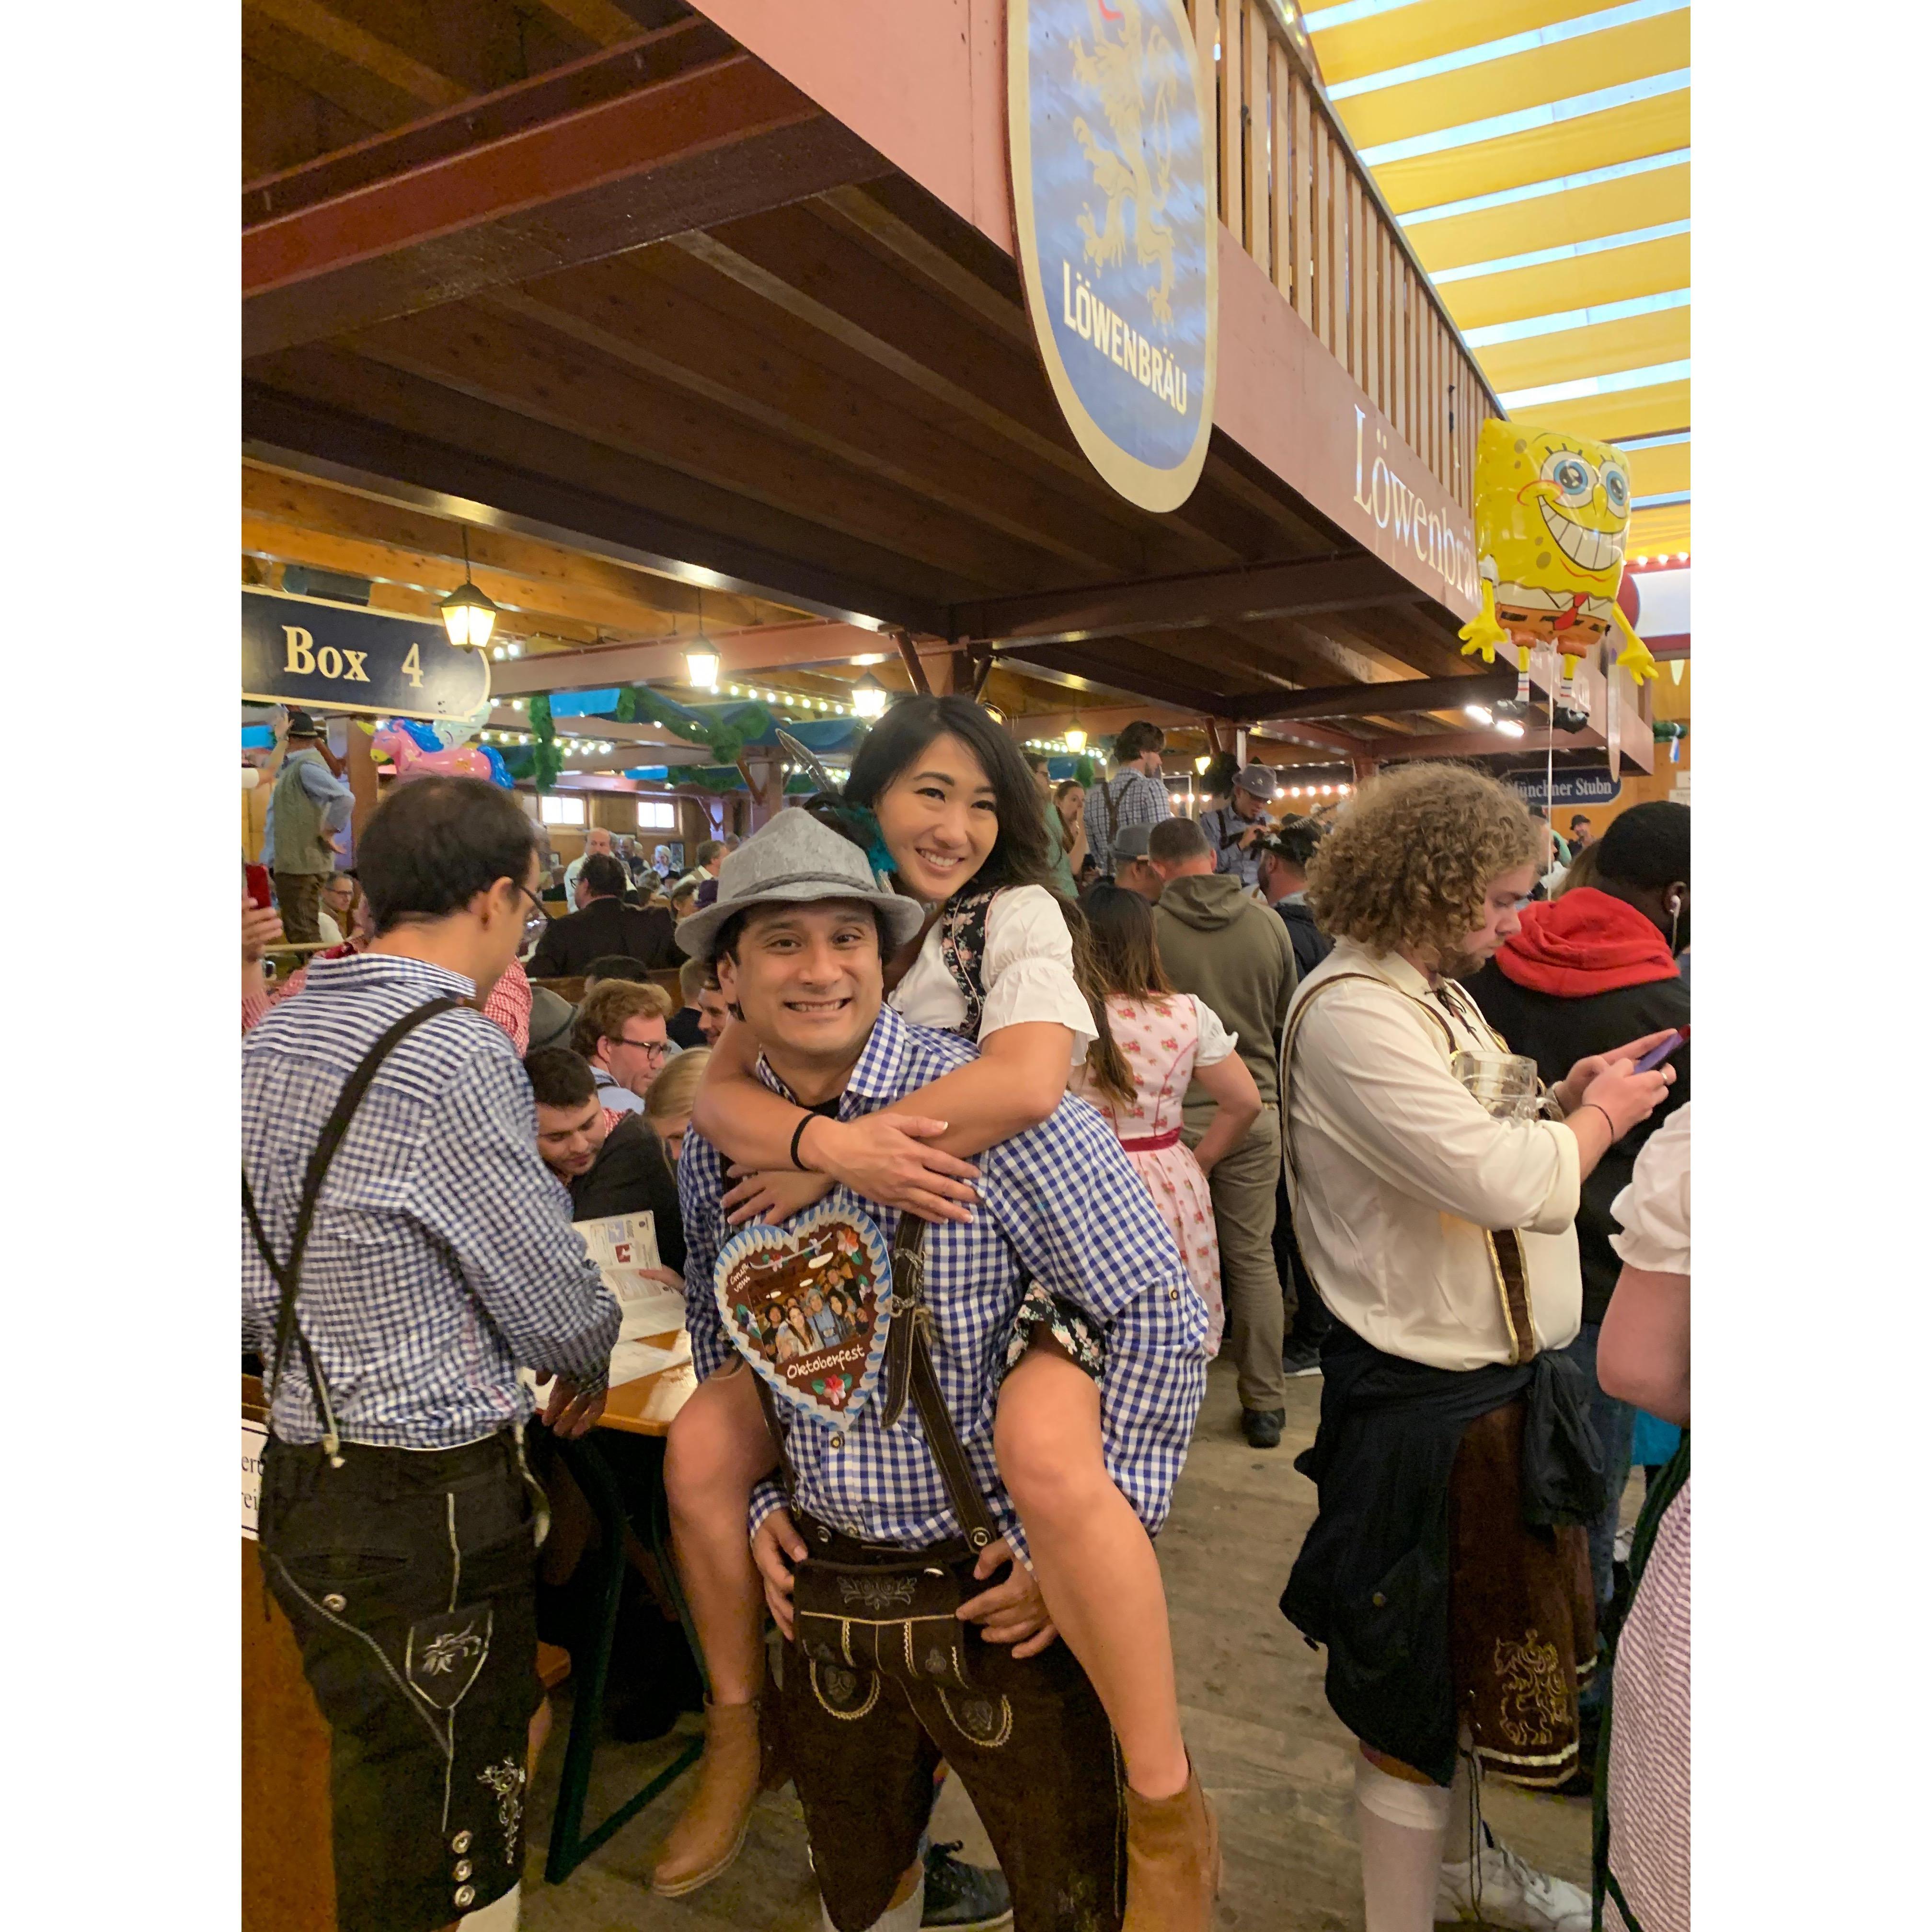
1219, 942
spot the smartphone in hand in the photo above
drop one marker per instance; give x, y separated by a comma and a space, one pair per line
1661, 1052
259, 893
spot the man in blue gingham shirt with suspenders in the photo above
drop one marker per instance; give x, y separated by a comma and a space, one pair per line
1061, 1218
404, 1251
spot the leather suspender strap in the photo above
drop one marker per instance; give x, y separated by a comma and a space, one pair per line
913, 1372
1113, 793
1288, 1038
287, 1275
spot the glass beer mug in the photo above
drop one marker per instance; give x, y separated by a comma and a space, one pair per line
1507, 1085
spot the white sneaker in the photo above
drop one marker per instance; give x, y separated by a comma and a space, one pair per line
1498, 1889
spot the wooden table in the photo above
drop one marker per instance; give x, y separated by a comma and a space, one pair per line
643, 1408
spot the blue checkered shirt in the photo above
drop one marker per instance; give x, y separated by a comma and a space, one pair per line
1223, 827
1059, 1204
442, 1257
1141, 801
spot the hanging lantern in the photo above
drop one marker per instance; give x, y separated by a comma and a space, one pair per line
468, 615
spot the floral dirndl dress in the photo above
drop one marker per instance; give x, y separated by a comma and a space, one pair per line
1162, 1039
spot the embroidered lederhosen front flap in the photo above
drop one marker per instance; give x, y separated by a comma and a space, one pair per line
899, 1621
1507, 1262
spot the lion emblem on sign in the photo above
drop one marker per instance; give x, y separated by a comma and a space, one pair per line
1135, 71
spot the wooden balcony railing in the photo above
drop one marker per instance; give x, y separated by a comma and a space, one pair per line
1307, 211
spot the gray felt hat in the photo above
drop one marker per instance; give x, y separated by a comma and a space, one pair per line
1130, 841
1257, 781
793, 860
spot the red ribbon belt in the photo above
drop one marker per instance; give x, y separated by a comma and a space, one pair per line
1153, 1143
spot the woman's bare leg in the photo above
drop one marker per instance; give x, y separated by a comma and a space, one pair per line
1095, 1563
718, 1448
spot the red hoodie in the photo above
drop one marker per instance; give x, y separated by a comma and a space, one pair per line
1586, 942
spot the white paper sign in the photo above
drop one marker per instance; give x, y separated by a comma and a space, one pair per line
254, 1441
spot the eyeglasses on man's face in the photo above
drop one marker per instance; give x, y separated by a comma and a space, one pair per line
653, 1050
536, 918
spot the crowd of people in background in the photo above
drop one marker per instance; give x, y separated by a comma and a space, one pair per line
1397, 1097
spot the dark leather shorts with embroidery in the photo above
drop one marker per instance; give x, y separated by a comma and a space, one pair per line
1523, 1618
1028, 1737
1043, 1314
410, 1578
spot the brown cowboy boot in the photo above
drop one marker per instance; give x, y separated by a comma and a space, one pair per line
1174, 1861
710, 1832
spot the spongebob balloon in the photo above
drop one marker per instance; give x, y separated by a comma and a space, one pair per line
1551, 515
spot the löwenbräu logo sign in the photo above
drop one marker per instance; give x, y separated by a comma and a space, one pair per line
333, 657
1110, 131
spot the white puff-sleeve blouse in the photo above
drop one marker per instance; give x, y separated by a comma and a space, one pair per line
1027, 972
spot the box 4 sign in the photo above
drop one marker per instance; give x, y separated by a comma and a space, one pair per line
335, 657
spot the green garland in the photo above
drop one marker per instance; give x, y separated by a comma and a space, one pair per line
725, 738
546, 760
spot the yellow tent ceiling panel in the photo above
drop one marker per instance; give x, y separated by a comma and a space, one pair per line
1428, 28
1626, 134
1661, 471
1578, 281
1651, 531
1636, 52
1603, 349
1652, 412
1549, 220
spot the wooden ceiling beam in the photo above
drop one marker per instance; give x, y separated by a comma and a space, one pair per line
330, 420
1123, 670
722, 138
371, 104
1408, 631
1244, 593
567, 583
600, 22
1105, 721
347, 40
823, 276
1347, 700
512, 363
527, 603
622, 310
896, 218
742, 654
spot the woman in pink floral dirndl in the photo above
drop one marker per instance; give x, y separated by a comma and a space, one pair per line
1170, 1040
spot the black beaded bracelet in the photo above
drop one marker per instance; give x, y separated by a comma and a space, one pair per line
797, 1135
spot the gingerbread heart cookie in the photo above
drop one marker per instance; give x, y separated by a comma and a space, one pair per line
809, 1305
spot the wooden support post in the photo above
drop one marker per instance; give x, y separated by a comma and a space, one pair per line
759, 781
915, 669
361, 763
